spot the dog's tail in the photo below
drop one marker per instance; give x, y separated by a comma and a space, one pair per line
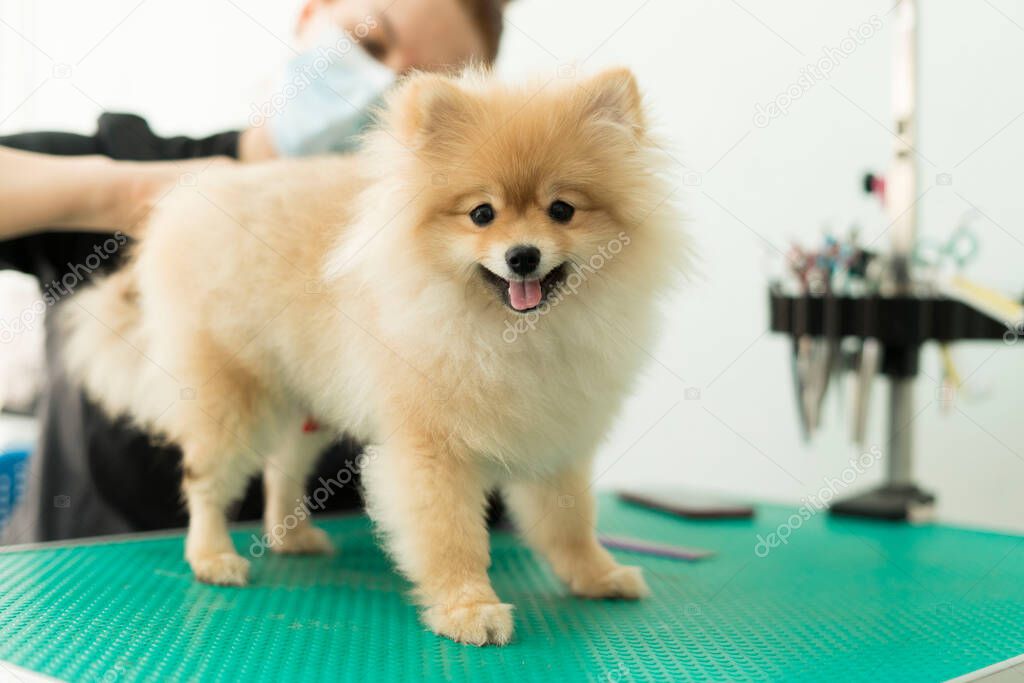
105, 348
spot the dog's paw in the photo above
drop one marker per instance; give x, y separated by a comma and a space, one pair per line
221, 569
303, 540
480, 623
622, 582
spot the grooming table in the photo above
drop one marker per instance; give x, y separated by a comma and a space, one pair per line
844, 599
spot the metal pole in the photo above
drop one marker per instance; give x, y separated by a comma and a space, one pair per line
901, 432
902, 189
902, 184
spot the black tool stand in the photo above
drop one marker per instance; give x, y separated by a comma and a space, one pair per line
902, 325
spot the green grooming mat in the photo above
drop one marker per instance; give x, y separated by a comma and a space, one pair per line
841, 599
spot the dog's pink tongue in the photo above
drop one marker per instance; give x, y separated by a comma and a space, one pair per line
524, 295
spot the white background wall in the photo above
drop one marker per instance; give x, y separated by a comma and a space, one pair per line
193, 66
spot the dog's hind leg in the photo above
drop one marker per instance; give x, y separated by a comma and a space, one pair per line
217, 428
287, 511
216, 474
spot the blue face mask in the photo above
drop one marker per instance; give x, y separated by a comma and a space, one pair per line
327, 97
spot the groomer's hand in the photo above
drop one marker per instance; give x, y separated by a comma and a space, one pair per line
41, 192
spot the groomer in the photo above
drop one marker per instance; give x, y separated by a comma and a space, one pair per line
92, 476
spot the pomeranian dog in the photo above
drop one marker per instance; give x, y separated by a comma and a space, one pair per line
471, 294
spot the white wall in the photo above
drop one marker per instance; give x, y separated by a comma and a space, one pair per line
192, 67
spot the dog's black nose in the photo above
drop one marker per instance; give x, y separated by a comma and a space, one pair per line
523, 259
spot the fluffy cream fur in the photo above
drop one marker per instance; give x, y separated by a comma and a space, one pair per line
351, 289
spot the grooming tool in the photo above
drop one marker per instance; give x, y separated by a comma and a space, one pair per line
870, 360
636, 545
689, 504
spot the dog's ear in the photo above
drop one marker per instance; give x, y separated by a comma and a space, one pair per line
427, 104
615, 95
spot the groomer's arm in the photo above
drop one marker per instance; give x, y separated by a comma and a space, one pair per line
254, 144
89, 193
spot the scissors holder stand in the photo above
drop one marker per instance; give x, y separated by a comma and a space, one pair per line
901, 325
895, 321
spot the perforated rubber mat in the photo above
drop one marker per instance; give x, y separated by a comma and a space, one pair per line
843, 600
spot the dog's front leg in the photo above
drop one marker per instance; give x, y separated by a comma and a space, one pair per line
429, 501
556, 515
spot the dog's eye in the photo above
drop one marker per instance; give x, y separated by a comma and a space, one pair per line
482, 215
561, 211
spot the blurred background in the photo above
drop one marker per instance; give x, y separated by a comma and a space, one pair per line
715, 409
